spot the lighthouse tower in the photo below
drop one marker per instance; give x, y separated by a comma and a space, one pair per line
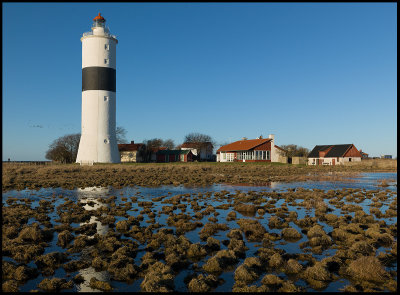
98, 142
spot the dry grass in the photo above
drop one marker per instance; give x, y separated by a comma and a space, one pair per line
21, 176
367, 268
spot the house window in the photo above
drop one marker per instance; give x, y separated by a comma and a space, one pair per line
260, 155
223, 156
337, 159
349, 159
268, 155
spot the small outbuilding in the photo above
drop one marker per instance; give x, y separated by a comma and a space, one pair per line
165, 156
337, 154
131, 152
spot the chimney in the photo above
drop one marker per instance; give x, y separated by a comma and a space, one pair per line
273, 154
132, 141
244, 138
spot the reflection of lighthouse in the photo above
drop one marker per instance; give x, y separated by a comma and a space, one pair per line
93, 194
98, 139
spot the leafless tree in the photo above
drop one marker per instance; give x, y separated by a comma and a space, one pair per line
292, 150
120, 133
169, 144
64, 149
199, 141
153, 144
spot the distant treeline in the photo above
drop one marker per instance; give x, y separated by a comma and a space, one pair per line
31, 162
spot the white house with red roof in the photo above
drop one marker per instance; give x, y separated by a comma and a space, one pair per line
250, 150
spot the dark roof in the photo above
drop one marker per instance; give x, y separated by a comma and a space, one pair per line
337, 150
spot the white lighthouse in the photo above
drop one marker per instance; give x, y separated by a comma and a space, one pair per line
98, 142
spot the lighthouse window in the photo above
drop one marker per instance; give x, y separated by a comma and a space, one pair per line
107, 46
105, 98
106, 141
106, 61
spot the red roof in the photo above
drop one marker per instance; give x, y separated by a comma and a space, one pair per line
99, 17
243, 145
130, 147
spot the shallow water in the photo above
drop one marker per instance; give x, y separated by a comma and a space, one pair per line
366, 182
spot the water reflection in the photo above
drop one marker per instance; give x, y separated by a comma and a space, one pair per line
92, 196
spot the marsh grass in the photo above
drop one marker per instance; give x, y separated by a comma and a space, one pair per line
21, 176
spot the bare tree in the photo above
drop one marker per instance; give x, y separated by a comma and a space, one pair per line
197, 137
120, 133
153, 144
199, 142
64, 149
169, 144
292, 150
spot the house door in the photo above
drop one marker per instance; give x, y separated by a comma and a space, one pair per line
333, 162
320, 161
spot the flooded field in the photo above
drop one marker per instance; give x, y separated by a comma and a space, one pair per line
297, 236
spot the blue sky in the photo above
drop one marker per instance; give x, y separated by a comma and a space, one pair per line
310, 73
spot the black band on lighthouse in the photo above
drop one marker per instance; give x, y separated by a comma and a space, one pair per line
98, 78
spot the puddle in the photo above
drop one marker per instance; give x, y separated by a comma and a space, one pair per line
205, 196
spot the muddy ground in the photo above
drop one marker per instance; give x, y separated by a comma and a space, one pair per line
70, 176
289, 241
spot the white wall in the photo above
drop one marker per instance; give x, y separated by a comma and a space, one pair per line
329, 161
98, 139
